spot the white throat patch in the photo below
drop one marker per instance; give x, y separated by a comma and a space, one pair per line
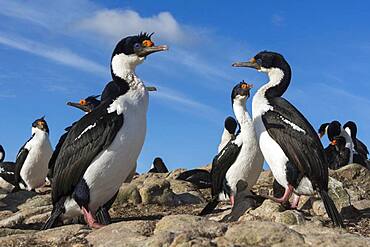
124, 65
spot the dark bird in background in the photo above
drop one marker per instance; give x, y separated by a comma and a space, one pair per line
2, 153
287, 140
200, 178
86, 105
158, 166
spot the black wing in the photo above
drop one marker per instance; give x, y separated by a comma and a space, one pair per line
93, 133
221, 164
299, 141
7, 172
21, 157
361, 148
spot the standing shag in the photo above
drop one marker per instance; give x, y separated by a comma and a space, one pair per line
241, 158
87, 105
287, 140
31, 166
103, 146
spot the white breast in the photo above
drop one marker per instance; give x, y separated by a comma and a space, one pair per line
249, 162
114, 165
35, 167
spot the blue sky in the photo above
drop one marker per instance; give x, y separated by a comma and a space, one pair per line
53, 52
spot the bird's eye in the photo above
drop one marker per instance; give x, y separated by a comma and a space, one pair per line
259, 61
82, 102
137, 46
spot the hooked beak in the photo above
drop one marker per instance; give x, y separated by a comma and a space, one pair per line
250, 64
79, 106
147, 50
151, 89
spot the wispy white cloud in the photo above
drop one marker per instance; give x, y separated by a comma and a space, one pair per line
113, 24
182, 102
277, 20
60, 55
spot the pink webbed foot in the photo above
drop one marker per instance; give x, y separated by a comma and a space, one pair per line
90, 219
295, 202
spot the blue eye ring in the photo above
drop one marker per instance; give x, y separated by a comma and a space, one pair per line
137, 45
259, 61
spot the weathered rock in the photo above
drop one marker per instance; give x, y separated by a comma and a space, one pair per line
60, 236
289, 217
267, 209
20, 216
354, 177
189, 224
260, 233
157, 191
362, 205
264, 183
129, 193
126, 233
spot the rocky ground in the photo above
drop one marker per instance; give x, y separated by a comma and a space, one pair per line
157, 210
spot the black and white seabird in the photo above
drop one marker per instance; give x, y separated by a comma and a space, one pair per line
359, 147
86, 105
2, 153
287, 140
158, 166
102, 148
201, 178
228, 134
241, 158
31, 166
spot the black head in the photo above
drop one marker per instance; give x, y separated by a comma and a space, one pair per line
131, 51
140, 45
87, 105
159, 165
2, 153
231, 125
334, 129
264, 61
322, 130
241, 91
352, 126
41, 124
339, 142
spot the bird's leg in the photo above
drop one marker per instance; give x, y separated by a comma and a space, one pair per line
287, 193
89, 218
232, 199
295, 201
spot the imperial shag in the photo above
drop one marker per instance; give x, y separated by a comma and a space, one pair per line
287, 140
102, 148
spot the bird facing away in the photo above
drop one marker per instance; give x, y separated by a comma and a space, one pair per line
241, 158
287, 140
102, 148
158, 166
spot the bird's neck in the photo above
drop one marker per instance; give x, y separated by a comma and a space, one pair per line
241, 113
123, 67
279, 80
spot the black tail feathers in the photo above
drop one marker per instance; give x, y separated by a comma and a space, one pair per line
58, 210
210, 206
331, 209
